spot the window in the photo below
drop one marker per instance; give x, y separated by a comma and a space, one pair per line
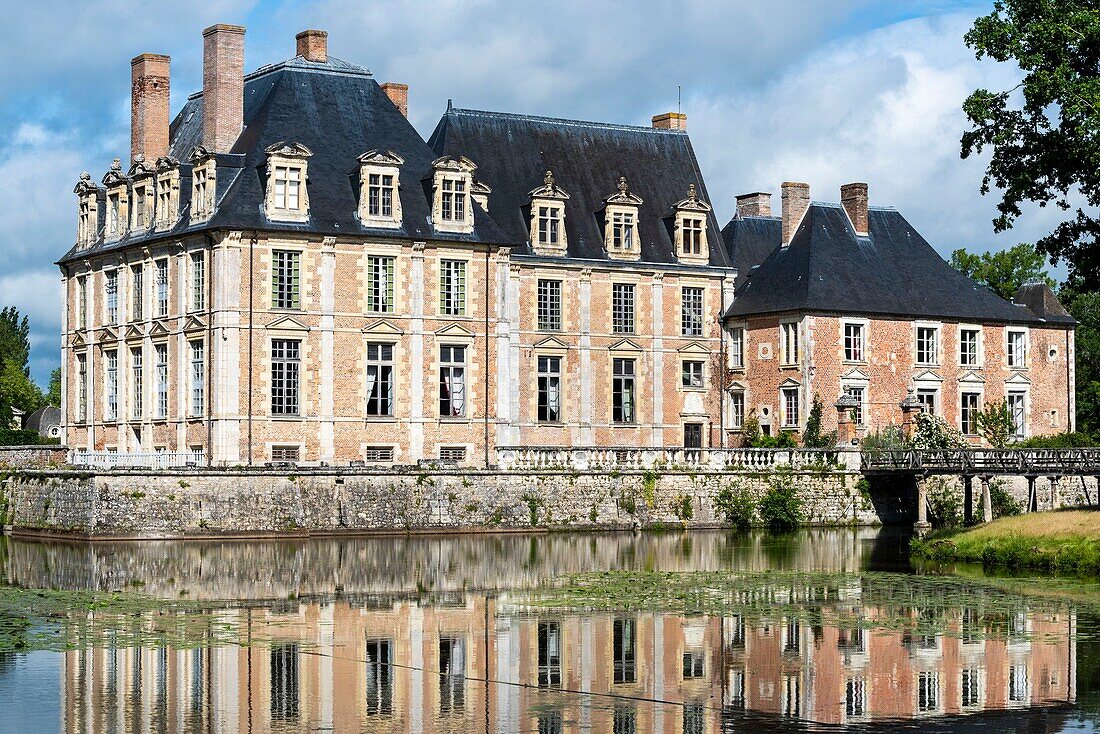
286, 454
788, 339
624, 719
694, 718
1017, 683
792, 637
737, 348
114, 207
549, 654
378, 454
81, 388
851, 640
926, 345
853, 343
452, 287
549, 389
624, 645
380, 284
691, 374
792, 694
452, 454
622, 231
691, 311
111, 289
693, 236
789, 399
1015, 402
928, 691
137, 386
859, 392
452, 674
288, 181
198, 281
622, 308
164, 201
855, 697
379, 678
380, 192
550, 722
736, 689
84, 226
1016, 353
140, 215
379, 389
622, 391
549, 305
285, 370
737, 409
284, 682
202, 197
285, 270
162, 380
929, 399
970, 690
549, 225
693, 664
452, 381
111, 384
162, 287
969, 340
137, 293
454, 200
198, 378
82, 302
969, 407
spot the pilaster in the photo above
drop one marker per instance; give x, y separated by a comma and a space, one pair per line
328, 318
416, 356
657, 368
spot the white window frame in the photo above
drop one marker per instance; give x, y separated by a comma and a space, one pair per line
965, 390
110, 300
137, 292
160, 351
1020, 362
286, 279
937, 346
694, 378
790, 335
82, 387
454, 403
979, 348
859, 355
549, 304
453, 286
198, 281
737, 401
137, 383
452, 201
1020, 429
784, 398
550, 371
203, 186
287, 197
736, 349
110, 385
693, 310
286, 377
623, 310
620, 381
847, 387
160, 268
82, 301
197, 384
381, 270
375, 167
380, 360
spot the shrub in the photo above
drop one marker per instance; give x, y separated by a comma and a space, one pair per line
750, 432
19, 437
1004, 504
781, 508
813, 438
1058, 441
786, 440
735, 505
889, 438
995, 424
933, 432
945, 507
685, 508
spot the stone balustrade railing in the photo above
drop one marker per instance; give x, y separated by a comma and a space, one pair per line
522, 458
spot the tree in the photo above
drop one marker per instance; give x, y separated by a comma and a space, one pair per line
53, 393
1085, 307
1005, 271
995, 424
15, 344
1042, 134
16, 388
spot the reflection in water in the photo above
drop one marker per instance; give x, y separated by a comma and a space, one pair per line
357, 650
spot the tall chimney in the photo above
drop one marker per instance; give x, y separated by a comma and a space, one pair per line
854, 198
222, 86
756, 204
796, 200
313, 45
399, 95
670, 121
149, 82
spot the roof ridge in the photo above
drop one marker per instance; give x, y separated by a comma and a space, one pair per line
298, 63
560, 121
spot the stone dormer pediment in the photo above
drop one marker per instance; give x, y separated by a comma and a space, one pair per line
454, 331
166, 163
84, 185
456, 163
380, 158
288, 150
692, 203
139, 168
199, 154
287, 323
133, 332
110, 333
77, 339
115, 176
159, 329
548, 190
624, 345
551, 343
382, 327
623, 196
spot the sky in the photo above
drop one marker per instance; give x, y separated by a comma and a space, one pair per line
821, 91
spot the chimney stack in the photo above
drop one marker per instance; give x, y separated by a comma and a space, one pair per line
399, 95
149, 84
756, 204
222, 86
670, 121
796, 200
313, 45
854, 198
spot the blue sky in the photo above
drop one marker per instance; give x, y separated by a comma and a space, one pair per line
810, 90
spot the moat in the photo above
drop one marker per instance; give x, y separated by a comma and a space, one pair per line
692, 632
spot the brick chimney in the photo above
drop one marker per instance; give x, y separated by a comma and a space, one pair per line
222, 86
853, 197
149, 83
313, 45
671, 121
796, 200
399, 95
756, 204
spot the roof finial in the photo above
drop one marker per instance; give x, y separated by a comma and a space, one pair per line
622, 184
548, 179
691, 193
85, 176
116, 165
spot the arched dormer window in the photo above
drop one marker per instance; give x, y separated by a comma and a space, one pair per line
691, 228
621, 223
168, 192
380, 188
117, 185
203, 183
142, 185
287, 197
548, 217
452, 182
87, 227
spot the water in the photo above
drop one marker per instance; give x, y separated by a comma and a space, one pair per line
499, 634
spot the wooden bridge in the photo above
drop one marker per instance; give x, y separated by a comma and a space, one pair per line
983, 462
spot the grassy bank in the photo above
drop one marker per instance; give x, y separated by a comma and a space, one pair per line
1066, 542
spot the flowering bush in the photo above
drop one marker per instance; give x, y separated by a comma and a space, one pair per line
933, 432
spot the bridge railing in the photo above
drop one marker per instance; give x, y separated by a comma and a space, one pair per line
625, 458
136, 459
979, 461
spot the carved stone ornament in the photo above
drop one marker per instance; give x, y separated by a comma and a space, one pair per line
549, 189
692, 202
85, 185
623, 195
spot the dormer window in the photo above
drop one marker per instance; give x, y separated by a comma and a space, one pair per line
452, 181
88, 209
548, 217
287, 195
379, 188
84, 227
621, 223
117, 184
141, 208
691, 228
168, 186
113, 213
203, 183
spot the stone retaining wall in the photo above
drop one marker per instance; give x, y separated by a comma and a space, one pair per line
18, 457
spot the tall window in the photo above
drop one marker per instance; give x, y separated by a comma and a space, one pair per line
549, 225
113, 210
380, 191
693, 664
198, 281
111, 290
162, 380
288, 180
82, 302
788, 338
137, 293
691, 374
162, 287
285, 371
452, 674
928, 691
693, 236
549, 654
929, 399
452, 381
164, 201
380, 284
622, 391
198, 378
84, 227
969, 408
792, 694
549, 389
968, 347
454, 200
622, 308
853, 342
1015, 402
859, 392
285, 270
855, 697
1017, 349
691, 311
379, 677
624, 650
285, 683
549, 305
789, 396
139, 208
137, 383
1017, 683
379, 387
201, 200
452, 287
737, 409
622, 231
926, 345
970, 688
81, 387
737, 348
111, 383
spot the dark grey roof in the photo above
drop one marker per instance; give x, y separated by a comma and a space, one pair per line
43, 419
749, 241
1040, 299
513, 152
339, 112
891, 272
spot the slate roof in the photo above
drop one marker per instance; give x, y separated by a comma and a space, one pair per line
338, 111
891, 272
513, 152
1040, 299
749, 241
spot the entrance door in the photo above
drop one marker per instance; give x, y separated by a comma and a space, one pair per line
693, 435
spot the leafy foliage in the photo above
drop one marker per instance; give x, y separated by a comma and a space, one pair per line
1003, 271
886, 438
933, 432
781, 507
945, 507
735, 505
812, 437
53, 392
1084, 306
16, 388
995, 424
1075, 440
